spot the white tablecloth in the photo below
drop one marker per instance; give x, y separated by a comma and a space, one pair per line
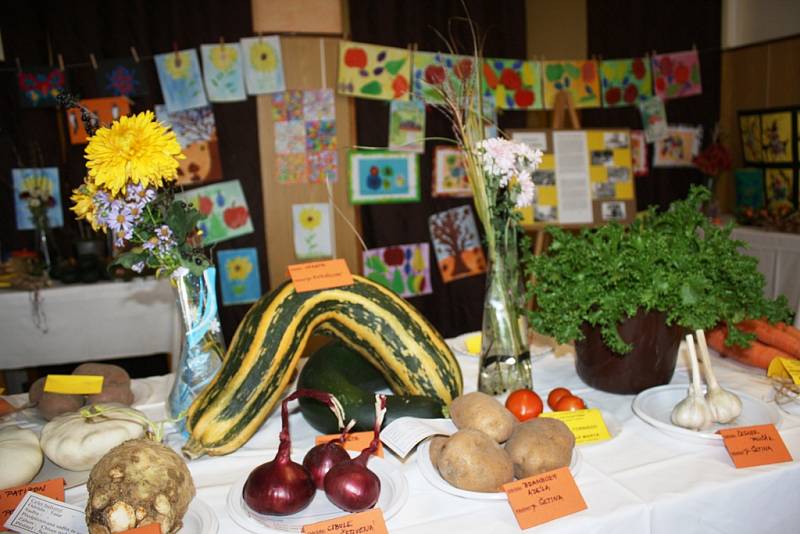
641, 481
89, 322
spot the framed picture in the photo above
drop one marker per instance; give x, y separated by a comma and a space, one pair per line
382, 177
449, 173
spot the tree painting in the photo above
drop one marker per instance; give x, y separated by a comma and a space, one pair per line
457, 243
196, 131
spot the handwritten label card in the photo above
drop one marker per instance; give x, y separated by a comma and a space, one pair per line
785, 368
74, 384
369, 521
152, 528
587, 425
355, 441
320, 275
542, 498
37, 514
755, 445
404, 433
11, 497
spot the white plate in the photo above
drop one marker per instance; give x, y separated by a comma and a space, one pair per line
394, 494
458, 344
654, 406
431, 474
199, 517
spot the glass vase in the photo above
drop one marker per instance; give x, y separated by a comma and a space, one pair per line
43, 246
203, 346
505, 363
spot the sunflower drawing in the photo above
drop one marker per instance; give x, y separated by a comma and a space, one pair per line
310, 218
224, 57
239, 268
263, 57
179, 65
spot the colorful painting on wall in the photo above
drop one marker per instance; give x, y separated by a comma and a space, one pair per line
432, 69
38, 86
120, 77
514, 84
679, 147
196, 131
405, 269
654, 118
378, 177
222, 72
240, 279
224, 209
313, 229
181, 83
677, 74
42, 185
780, 185
749, 188
579, 78
263, 65
750, 125
374, 71
625, 82
449, 173
407, 126
639, 153
107, 109
776, 137
457, 243
305, 136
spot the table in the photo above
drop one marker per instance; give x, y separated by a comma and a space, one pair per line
641, 481
85, 322
778, 257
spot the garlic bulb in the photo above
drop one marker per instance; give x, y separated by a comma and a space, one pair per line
693, 412
725, 406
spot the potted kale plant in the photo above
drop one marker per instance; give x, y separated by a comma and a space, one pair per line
626, 296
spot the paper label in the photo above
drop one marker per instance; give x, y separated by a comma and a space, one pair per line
473, 344
152, 528
587, 425
74, 384
37, 514
6, 407
370, 521
542, 498
785, 368
11, 497
320, 275
755, 445
355, 441
403, 434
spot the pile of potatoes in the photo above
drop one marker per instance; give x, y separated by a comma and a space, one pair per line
473, 458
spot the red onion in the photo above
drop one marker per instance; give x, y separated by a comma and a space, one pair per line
321, 458
350, 485
283, 487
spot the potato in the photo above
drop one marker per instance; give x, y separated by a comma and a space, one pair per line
120, 393
539, 445
116, 383
437, 443
52, 404
471, 460
480, 411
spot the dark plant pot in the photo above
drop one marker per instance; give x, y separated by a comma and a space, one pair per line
650, 363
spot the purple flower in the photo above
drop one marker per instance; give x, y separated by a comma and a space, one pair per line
138, 266
150, 244
164, 233
140, 196
119, 218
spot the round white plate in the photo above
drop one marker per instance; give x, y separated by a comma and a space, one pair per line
199, 517
394, 494
654, 406
431, 474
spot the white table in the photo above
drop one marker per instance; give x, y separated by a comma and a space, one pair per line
85, 322
778, 257
641, 481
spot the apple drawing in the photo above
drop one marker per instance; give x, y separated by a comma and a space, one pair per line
204, 204
235, 216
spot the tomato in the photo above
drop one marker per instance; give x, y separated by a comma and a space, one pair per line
524, 404
570, 403
555, 395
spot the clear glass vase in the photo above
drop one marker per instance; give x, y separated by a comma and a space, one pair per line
505, 363
203, 345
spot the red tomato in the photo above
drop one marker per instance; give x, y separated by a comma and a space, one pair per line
524, 404
569, 403
555, 396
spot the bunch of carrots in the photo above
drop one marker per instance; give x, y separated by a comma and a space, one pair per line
772, 341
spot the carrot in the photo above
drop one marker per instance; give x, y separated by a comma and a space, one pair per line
757, 355
789, 329
772, 336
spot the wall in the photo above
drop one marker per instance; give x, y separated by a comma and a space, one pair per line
746, 22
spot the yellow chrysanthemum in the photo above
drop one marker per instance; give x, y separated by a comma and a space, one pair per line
239, 268
224, 57
178, 65
83, 200
310, 218
134, 150
262, 57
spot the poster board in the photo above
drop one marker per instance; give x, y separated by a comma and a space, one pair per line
585, 179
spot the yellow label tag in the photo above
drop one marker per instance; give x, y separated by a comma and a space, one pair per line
587, 425
74, 384
785, 368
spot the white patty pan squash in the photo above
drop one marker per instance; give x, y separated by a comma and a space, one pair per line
20, 456
77, 442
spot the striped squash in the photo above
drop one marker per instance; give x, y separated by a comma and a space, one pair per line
366, 316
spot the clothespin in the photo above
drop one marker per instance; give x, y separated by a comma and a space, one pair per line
135, 54
694, 46
260, 37
177, 55
60, 62
222, 46
93, 60
19, 64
